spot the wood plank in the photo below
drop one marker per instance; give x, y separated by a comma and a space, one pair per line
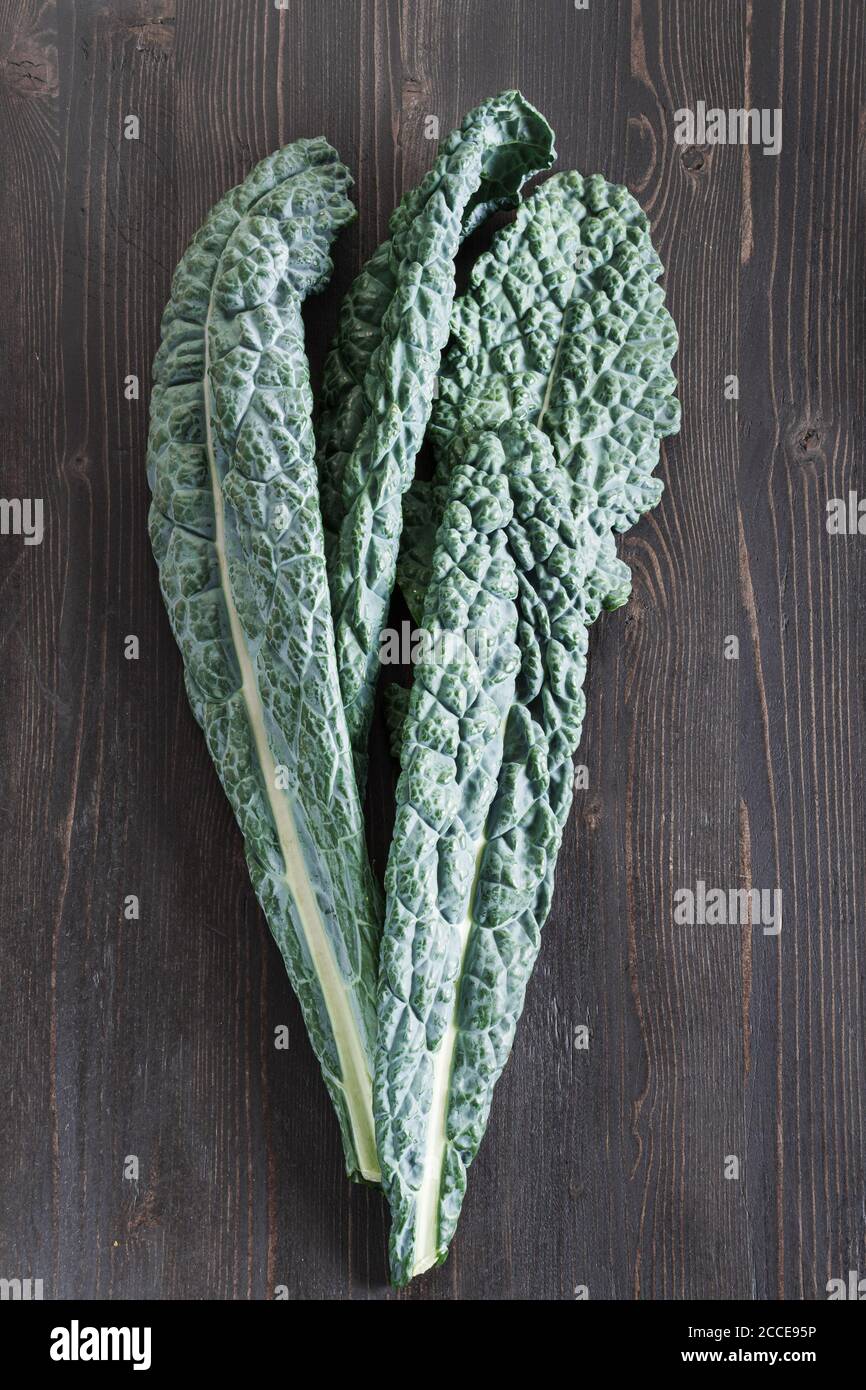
154, 1038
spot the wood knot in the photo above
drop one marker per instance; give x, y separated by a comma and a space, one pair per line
152, 22
695, 158
29, 69
78, 466
806, 442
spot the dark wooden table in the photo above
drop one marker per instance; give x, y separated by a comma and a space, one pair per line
610, 1167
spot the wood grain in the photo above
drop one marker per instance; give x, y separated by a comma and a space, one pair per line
604, 1167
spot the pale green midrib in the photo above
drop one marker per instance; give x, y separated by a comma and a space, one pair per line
356, 1082
426, 1243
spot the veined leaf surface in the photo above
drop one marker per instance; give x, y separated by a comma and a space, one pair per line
379, 376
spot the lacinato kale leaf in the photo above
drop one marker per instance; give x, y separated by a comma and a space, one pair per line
237, 535
379, 376
558, 385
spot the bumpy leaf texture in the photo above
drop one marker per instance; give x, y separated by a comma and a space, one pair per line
379, 376
237, 535
558, 387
